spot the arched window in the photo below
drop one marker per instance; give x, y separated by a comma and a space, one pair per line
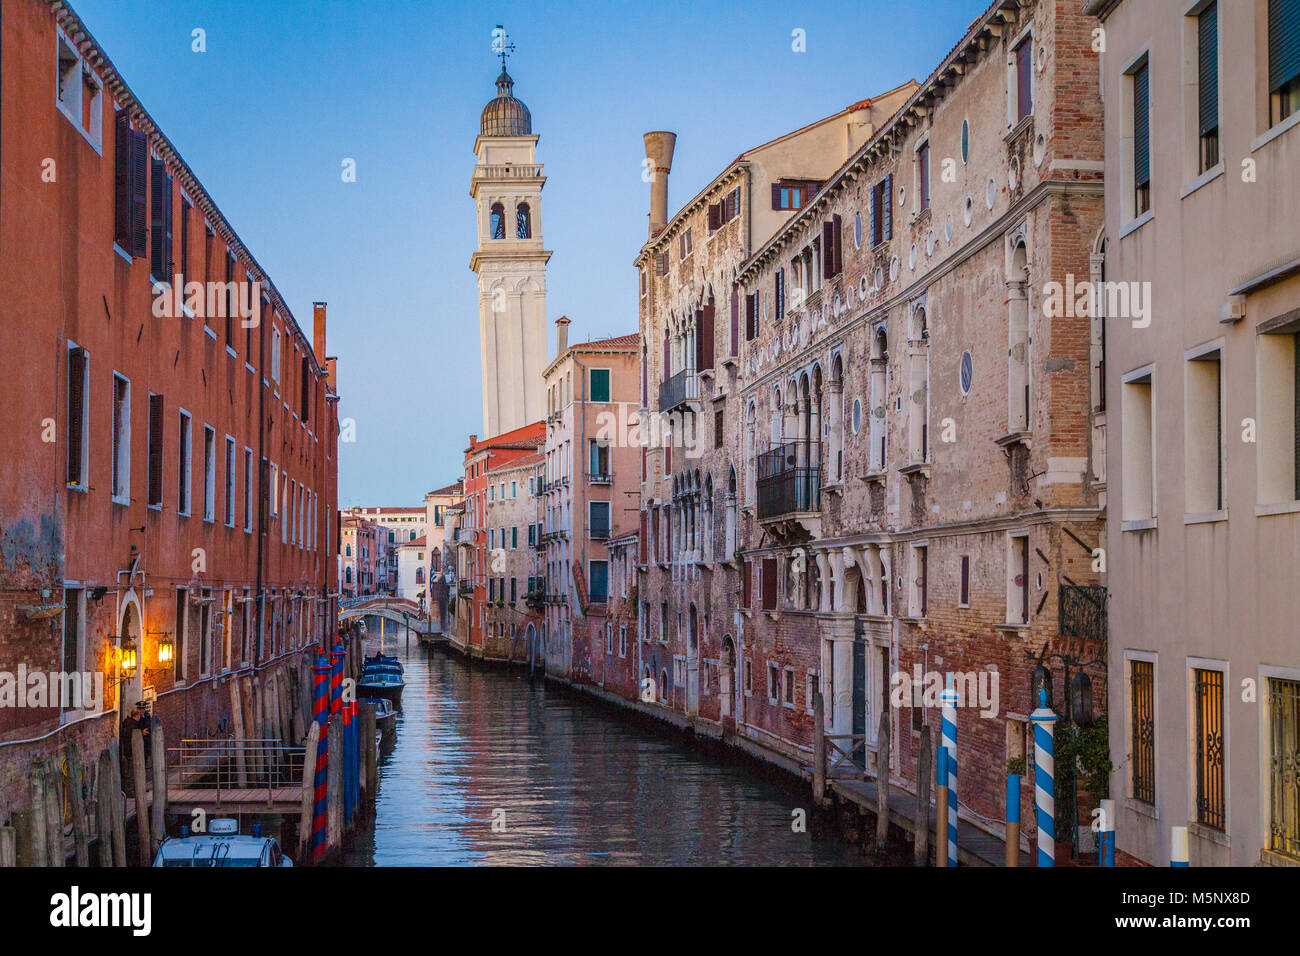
347, 575
419, 575
498, 221
523, 222
349, 554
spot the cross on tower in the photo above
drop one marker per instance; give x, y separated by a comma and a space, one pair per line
501, 44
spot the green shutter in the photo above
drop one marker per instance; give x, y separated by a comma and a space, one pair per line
1207, 25
1141, 127
1283, 43
600, 385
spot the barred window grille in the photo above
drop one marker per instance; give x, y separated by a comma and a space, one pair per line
1210, 809
1284, 766
1142, 708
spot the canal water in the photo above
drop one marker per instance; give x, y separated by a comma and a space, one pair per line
565, 782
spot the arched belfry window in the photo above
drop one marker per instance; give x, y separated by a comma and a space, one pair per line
498, 221
523, 222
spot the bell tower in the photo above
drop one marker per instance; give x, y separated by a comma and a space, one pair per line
510, 261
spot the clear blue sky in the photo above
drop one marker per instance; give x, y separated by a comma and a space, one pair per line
288, 89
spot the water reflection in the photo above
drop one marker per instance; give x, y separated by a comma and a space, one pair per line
565, 783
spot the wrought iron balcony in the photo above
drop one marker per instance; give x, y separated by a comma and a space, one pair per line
789, 480
679, 389
1082, 611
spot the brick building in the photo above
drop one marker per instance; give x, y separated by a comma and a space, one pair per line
589, 490
919, 492
512, 620
360, 556
170, 487
690, 325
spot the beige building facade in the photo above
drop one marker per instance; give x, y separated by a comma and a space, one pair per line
1202, 105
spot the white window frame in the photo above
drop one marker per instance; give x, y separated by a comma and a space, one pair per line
248, 490
85, 420
209, 475
120, 473
232, 472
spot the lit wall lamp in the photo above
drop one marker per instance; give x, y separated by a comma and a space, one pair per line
128, 661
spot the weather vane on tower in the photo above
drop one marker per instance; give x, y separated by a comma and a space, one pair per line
501, 44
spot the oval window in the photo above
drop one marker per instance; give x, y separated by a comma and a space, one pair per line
857, 415
967, 372
857, 231
970, 208
993, 192
965, 141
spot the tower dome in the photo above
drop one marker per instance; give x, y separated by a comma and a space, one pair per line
505, 115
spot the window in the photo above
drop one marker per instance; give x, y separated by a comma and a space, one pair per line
1142, 722
74, 634
1018, 579
183, 466
248, 489
964, 594
514, 536
77, 93
600, 385
832, 247
768, 583
514, 489
717, 429
598, 519
598, 581
923, 175
131, 187
1141, 84
497, 221
1283, 59
1284, 744
187, 208
751, 316
599, 459
121, 439
205, 632
78, 422
1210, 744
1203, 419
920, 573
685, 246
773, 683
1023, 72
180, 632
787, 195
1207, 85
787, 687
155, 490
622, 640
160, 223
778, 294
275, 356
881, 208
523, 222
232, 300
1138, 448
209, 473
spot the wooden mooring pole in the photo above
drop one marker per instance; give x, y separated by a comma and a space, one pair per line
141, 807
37, 834
158, 808
921, 836
305, 818
882, 783
77, 805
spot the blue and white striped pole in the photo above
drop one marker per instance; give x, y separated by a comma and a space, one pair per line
1106, 846
1178, 847
949, 741
1044, 721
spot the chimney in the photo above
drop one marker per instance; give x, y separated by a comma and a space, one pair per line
561, 335
659, 151
318, 332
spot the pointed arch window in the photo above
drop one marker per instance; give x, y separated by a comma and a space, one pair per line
523, 222
498, 221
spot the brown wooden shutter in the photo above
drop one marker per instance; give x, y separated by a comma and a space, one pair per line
122, 180
747, 584
888, 203
160, 225
837, 228
705, 337
305, 372
732, 204
735, 321
668, 354
155, 449
139, 194
661, 264
715, 216
828, 250
769, 584
751, 316
641, 543
76, 413
776, 195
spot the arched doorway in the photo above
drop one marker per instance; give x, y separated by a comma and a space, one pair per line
129, 634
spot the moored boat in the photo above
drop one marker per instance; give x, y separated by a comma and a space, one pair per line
222, 845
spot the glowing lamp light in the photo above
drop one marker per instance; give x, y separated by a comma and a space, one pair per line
166, 650
128, 660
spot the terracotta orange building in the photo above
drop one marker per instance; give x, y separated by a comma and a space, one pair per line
168, 492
